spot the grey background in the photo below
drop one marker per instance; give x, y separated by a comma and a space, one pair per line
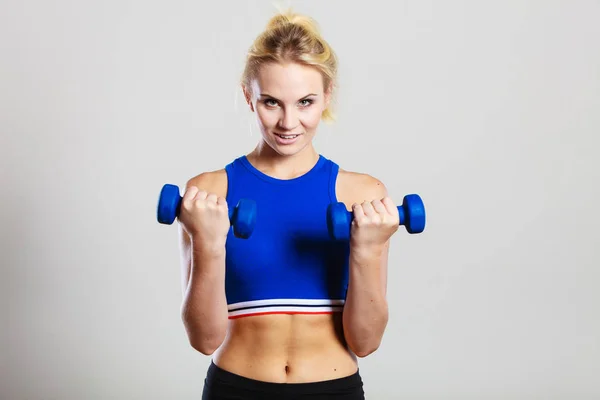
488, 110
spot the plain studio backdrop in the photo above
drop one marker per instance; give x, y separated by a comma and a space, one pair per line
489, 110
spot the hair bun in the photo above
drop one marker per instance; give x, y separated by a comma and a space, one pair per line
291, 18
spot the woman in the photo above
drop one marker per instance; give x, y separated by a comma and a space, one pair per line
285, 312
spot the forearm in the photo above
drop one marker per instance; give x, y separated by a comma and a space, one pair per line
204, 307
366, 310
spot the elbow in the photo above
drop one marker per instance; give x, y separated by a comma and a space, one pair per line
206, 343
365, 349
204, 339
365, 344
206, 347
363, 339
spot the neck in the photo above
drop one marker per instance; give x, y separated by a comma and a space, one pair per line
268, 161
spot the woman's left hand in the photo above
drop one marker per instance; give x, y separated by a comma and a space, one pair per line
373, 224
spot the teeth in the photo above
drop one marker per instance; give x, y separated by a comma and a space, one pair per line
287, 137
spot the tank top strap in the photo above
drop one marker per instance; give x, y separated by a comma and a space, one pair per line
334, 170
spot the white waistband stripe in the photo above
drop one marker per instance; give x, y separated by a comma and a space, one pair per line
285, 310
308, 306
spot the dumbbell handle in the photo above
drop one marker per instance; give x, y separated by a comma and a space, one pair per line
232, 210
400, 213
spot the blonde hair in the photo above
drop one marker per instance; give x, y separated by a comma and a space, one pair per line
291, 37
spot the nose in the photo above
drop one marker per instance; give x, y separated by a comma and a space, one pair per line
289, 120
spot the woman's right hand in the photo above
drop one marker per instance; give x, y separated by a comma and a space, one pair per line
205, 217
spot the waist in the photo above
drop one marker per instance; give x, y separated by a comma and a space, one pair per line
287, 348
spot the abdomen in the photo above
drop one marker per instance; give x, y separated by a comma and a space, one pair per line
287, 348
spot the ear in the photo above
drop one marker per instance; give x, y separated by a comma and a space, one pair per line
248, 97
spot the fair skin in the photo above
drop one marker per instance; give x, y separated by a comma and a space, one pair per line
287, 99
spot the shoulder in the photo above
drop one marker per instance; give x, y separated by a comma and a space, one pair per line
210, 181
356, 187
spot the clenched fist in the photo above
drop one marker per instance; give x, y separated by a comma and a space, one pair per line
373, 223
204, 216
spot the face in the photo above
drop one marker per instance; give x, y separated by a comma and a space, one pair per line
288, 100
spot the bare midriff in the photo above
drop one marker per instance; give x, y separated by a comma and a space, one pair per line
287, 348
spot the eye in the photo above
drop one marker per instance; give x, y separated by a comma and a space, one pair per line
306, 102
270, 103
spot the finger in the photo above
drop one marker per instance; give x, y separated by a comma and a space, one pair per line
189, 193
211, 198
201, 195
221, 201
357, 211
368, 208
379, 207
390, 206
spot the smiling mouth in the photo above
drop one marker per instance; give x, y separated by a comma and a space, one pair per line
287, 136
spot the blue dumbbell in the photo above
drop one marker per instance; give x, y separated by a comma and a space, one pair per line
242, 216
412, 216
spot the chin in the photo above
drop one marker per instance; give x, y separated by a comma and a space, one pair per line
288, 150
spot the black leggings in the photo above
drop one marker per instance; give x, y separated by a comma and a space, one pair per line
224, 385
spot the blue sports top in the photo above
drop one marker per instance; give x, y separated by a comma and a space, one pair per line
289, 264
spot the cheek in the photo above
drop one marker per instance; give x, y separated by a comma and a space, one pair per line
312, 118
266, 118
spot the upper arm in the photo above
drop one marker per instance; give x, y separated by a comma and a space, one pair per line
353, 187
211, 182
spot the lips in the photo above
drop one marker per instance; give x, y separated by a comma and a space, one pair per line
286, 139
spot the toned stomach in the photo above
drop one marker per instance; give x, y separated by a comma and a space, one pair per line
286, 348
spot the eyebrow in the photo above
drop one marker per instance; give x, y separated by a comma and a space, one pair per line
275, 98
